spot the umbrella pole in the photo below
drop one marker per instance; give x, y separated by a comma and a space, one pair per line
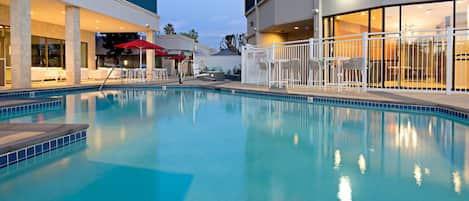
140, 63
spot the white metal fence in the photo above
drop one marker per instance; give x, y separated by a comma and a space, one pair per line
433, 61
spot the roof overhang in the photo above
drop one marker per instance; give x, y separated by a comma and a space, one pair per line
96, 16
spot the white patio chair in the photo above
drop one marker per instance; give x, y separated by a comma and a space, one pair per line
315, 72
351, 71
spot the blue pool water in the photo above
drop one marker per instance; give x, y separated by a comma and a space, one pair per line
189, 144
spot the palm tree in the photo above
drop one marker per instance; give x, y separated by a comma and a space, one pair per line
192, 34
169, 29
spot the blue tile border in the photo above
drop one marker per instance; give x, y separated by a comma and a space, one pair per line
272, 95
16, 156
352, 102
41, 92
29, 107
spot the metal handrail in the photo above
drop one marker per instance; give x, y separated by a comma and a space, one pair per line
107, 77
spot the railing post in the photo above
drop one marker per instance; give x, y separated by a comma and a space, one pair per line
310, 79
272, 61
365, 61
449, 60
243, 65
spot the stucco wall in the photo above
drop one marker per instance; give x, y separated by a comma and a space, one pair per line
267, 15
293, 10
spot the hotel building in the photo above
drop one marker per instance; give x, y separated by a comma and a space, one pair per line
61, 33
278, 21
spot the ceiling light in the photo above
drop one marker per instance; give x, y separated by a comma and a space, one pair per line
363, 13
97, 21
97, 27
63, 12
296, 28
121, 28
338, 17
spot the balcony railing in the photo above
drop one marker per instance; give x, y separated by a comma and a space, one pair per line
432, 61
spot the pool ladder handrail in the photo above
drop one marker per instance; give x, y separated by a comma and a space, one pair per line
107, 77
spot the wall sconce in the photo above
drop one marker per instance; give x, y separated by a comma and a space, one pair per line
126, 62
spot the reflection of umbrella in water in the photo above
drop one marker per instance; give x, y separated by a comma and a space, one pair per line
140, 45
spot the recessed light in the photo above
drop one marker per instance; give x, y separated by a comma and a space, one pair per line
97, 27
338, 17
296, 28
63, 12
363, 13
97, 21
121, 28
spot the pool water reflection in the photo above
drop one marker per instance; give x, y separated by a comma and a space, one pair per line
204, 145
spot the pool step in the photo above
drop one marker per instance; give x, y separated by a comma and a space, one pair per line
19, 141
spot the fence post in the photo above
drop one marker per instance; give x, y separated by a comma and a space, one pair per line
272, 61
449, 60
243, 64
365, 61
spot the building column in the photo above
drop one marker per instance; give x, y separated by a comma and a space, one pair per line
20, 24
72, 44
150, 54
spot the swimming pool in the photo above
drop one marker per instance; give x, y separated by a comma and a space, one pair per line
197, 144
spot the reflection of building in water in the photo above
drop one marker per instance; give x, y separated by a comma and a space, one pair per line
367, 145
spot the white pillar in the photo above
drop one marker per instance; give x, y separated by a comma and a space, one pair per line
72, 44
150, 54
20, 21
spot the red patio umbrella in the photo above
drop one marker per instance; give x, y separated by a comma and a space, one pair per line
178, 57
160, 53
141, 45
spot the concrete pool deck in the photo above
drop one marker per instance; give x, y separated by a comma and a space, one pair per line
15, 136
459, 102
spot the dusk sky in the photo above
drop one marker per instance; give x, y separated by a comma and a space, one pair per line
211, 18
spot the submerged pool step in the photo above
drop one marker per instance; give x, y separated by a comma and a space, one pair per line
19, 142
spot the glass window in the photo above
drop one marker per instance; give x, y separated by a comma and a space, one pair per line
55, 53
84, 54
327, 27
376, 20
428, 16
462, 14
249, 4
353, 23
5, 43
391, 19
38, 51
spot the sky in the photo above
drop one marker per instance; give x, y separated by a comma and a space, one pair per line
213, 19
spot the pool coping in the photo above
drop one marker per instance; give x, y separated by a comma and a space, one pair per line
452, 111
46, 137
